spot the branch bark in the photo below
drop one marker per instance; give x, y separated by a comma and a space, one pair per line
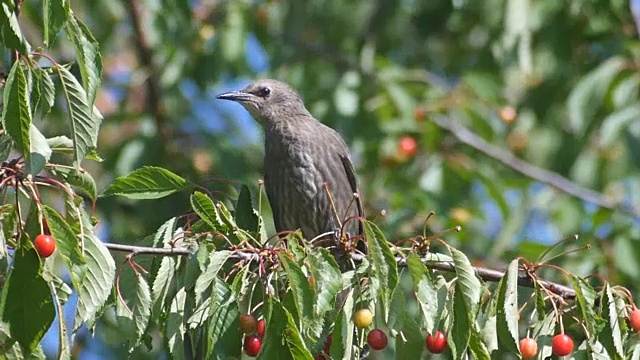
485, 274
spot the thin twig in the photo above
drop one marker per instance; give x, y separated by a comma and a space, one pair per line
485, 274
544, 176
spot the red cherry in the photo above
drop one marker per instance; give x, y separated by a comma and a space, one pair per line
436, 344
248, 324
634, 319
561, 345
377, 339
407, 146
327, 344
45, 245
252, 345
528, 348
261, 327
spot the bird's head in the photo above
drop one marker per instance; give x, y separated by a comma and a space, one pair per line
268, 100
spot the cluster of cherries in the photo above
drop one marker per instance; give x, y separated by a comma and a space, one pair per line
254, 332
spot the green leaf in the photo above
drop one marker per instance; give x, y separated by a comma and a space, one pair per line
10, 32
6, 144
204, 281
85, 119
384, 268
16, 112
507, 309
460, 330
246, 216
141, 305
27, 305
425, 292
68, 244
414, 343
224, 337
469, 284
175, 329
56, 13
282, 340
40, 152
148, 182
299, 287
328, 279
47, 91
477, 347
207, 211
163, 283
98, 282
587, 96
88, 55
63, 351
342, 344
586, 303
611, 335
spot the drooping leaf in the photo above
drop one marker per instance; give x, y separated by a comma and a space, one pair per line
207, 211
10, 32
85, 120
56, 13
246, 216
148, 182
98, 282
282, 339
384, 268
507, 309
175, 328
469, 284
16, 111
88, 55
327, 277
27, 305
68, 244
299, 285
611, 335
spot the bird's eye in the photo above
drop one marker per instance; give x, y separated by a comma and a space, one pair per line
264, 92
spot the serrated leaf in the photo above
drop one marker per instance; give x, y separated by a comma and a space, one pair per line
204, 281
327, 277
341, 347
282, 340
224, 332
477, 347
611, 335
163, 283
16, 111
39, 153
175, 328
98, 282
469, 284
507, 309
246, 216
148, 182
47, 91
68, 244
384, 268
141, 305
84, 181
27, 306
6, 144
63, 351
56, 13
88, 55
299, 286
10, 32
614, 124
203, 206
424, 291
586, 302
460, 329
85, 119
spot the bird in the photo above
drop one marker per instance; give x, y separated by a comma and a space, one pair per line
309, 178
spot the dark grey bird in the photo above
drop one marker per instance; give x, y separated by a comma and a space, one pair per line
309, 177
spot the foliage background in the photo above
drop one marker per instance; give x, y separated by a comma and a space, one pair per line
376, 71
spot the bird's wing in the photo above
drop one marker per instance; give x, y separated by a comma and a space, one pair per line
348, 168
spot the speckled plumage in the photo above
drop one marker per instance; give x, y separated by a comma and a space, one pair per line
301, 155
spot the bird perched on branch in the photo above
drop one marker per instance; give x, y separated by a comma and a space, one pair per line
309, 178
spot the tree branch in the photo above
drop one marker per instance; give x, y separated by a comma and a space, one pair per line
485, 274
544, 176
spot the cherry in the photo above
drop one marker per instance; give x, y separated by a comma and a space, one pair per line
248, 323
634, 319
419, 113
363, 318
327, 344
377, 339
437, 343
528, 348
561, 345
45, 245
407, 146
508, 114
261, 326
252, 345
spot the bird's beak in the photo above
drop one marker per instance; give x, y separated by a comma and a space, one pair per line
238, 96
